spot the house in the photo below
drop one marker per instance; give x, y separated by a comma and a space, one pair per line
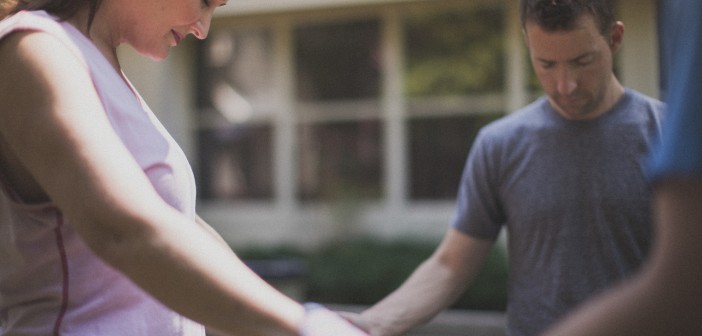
309, 121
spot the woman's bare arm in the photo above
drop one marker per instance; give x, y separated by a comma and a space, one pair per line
54, 124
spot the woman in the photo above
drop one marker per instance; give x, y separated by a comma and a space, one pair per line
98, 234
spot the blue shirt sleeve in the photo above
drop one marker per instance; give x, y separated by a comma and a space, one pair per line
680, 150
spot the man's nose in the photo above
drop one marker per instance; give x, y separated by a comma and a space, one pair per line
566, 81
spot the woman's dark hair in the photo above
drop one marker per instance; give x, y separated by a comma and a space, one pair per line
6, 7
557, 15
63, 9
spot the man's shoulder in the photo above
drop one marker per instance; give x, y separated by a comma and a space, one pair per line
529, 116
645, 100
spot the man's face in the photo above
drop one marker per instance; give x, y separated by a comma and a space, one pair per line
575, 67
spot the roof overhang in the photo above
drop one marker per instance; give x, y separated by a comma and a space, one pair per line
253, 7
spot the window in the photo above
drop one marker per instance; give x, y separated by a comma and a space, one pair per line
454, 83
235, 135
439, 148
338, 110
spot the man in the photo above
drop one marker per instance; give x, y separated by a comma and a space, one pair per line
664, 298
562, 175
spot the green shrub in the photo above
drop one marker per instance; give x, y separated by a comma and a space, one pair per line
363, 271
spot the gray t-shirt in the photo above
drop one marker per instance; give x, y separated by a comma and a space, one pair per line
573, 197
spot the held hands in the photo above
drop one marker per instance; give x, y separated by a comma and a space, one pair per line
320, 321
357, 320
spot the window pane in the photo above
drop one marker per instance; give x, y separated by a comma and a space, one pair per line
456, 52
235, 134
242, 60
340, 160
438, 150
338, 77
454, 80
236, 163
337, 61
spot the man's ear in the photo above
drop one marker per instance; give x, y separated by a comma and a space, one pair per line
616, 36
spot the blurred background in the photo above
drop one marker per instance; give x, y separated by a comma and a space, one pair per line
328, 137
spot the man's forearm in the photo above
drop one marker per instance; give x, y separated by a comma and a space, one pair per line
430, 289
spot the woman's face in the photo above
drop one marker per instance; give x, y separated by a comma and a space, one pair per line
153, 27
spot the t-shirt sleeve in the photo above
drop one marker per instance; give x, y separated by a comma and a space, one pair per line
478, 211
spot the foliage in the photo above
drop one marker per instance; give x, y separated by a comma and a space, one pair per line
363, 271
455, 53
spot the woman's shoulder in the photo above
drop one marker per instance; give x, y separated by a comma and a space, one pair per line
28, 20
35, 52
41, 23
37, 68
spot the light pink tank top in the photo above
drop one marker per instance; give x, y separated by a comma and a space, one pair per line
50, 282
